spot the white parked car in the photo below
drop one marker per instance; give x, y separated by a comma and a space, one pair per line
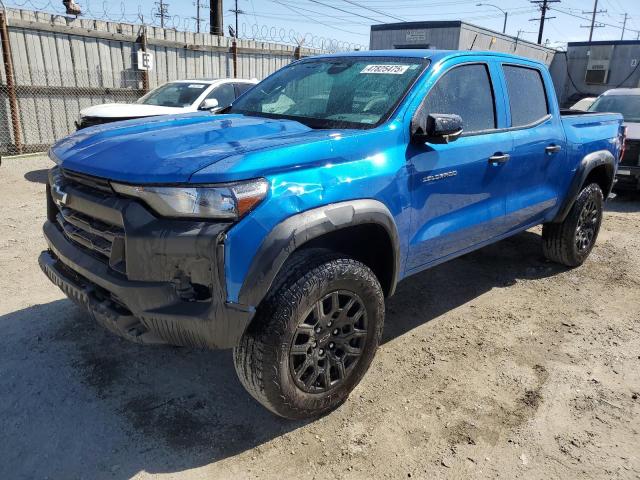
583, 104
181, 96
627, 102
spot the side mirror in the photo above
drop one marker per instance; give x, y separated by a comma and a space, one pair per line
436, 128
209, 104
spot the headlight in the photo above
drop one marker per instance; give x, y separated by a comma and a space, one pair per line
220, 201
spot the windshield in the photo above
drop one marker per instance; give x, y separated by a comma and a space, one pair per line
178, 94
627, 105
355, 92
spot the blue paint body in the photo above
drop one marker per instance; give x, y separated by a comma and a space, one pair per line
308, 168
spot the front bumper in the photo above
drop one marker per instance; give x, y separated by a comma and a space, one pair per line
167, 285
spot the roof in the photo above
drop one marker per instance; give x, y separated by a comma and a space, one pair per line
433, 55
414, 25
210, 80
623, 91
604, 43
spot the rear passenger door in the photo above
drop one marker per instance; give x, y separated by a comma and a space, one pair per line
458, 189
538, 145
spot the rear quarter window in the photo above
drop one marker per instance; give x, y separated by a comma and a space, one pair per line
527, 96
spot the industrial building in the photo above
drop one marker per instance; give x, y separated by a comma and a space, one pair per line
585, 69
453, 35
589, 68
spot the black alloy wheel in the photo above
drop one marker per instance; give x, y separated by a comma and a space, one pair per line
328, 343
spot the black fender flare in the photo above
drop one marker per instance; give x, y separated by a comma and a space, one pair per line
586, 166
295, 231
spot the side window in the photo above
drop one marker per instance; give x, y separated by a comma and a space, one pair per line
225, 94
242, 87
530, 107
465, 91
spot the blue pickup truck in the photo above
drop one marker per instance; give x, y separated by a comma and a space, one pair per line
279, 227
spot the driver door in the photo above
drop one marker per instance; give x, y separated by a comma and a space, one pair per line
458, 190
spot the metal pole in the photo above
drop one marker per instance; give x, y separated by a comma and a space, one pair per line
593, 19
237, 19
215, 17
198, 16
624, 24
542, 15
504, 27
11, 85
145, 73
234, 56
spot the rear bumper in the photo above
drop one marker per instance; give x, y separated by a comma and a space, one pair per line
627, 181
161, 304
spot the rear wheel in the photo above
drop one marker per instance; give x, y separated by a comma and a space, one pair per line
571, 241
314, 336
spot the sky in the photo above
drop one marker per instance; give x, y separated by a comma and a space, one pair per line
349, 21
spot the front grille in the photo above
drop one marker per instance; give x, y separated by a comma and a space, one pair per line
87, 181
631, 154
100, 239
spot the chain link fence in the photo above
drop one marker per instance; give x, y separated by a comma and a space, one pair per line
48, 104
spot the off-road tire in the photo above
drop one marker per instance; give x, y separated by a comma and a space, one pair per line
559, 240
262, 358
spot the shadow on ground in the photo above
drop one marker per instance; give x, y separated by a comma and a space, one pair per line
77, 402
37, 176
624, 202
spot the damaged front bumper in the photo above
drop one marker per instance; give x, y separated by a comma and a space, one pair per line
148, 279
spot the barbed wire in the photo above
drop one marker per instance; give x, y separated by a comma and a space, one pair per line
95, 10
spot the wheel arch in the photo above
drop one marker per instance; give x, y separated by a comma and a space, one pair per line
339, 226
596, 167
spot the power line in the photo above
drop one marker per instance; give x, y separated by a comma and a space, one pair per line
295, 10
345, 11
584, 18
374, 10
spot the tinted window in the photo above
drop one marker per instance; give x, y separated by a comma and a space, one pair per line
225, 94
243, 87
627, 105
464, 91
527, 98
178, 94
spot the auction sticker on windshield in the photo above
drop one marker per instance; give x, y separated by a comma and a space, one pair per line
389, 69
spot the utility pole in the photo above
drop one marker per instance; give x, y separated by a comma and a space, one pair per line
215, 17
544, 6
624, 25
593, 19
236, 12
198, 18
162, 11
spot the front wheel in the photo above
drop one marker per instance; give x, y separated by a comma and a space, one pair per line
313, 337
571, 241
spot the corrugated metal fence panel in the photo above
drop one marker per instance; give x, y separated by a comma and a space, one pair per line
63, 65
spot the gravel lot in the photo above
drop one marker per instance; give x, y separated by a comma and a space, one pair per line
496, 364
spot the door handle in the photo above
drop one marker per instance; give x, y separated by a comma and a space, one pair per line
499, 158
551, 149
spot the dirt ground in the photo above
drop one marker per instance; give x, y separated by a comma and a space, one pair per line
494, 365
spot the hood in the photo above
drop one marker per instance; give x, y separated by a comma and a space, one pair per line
129, 110
633, 130
170, 149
